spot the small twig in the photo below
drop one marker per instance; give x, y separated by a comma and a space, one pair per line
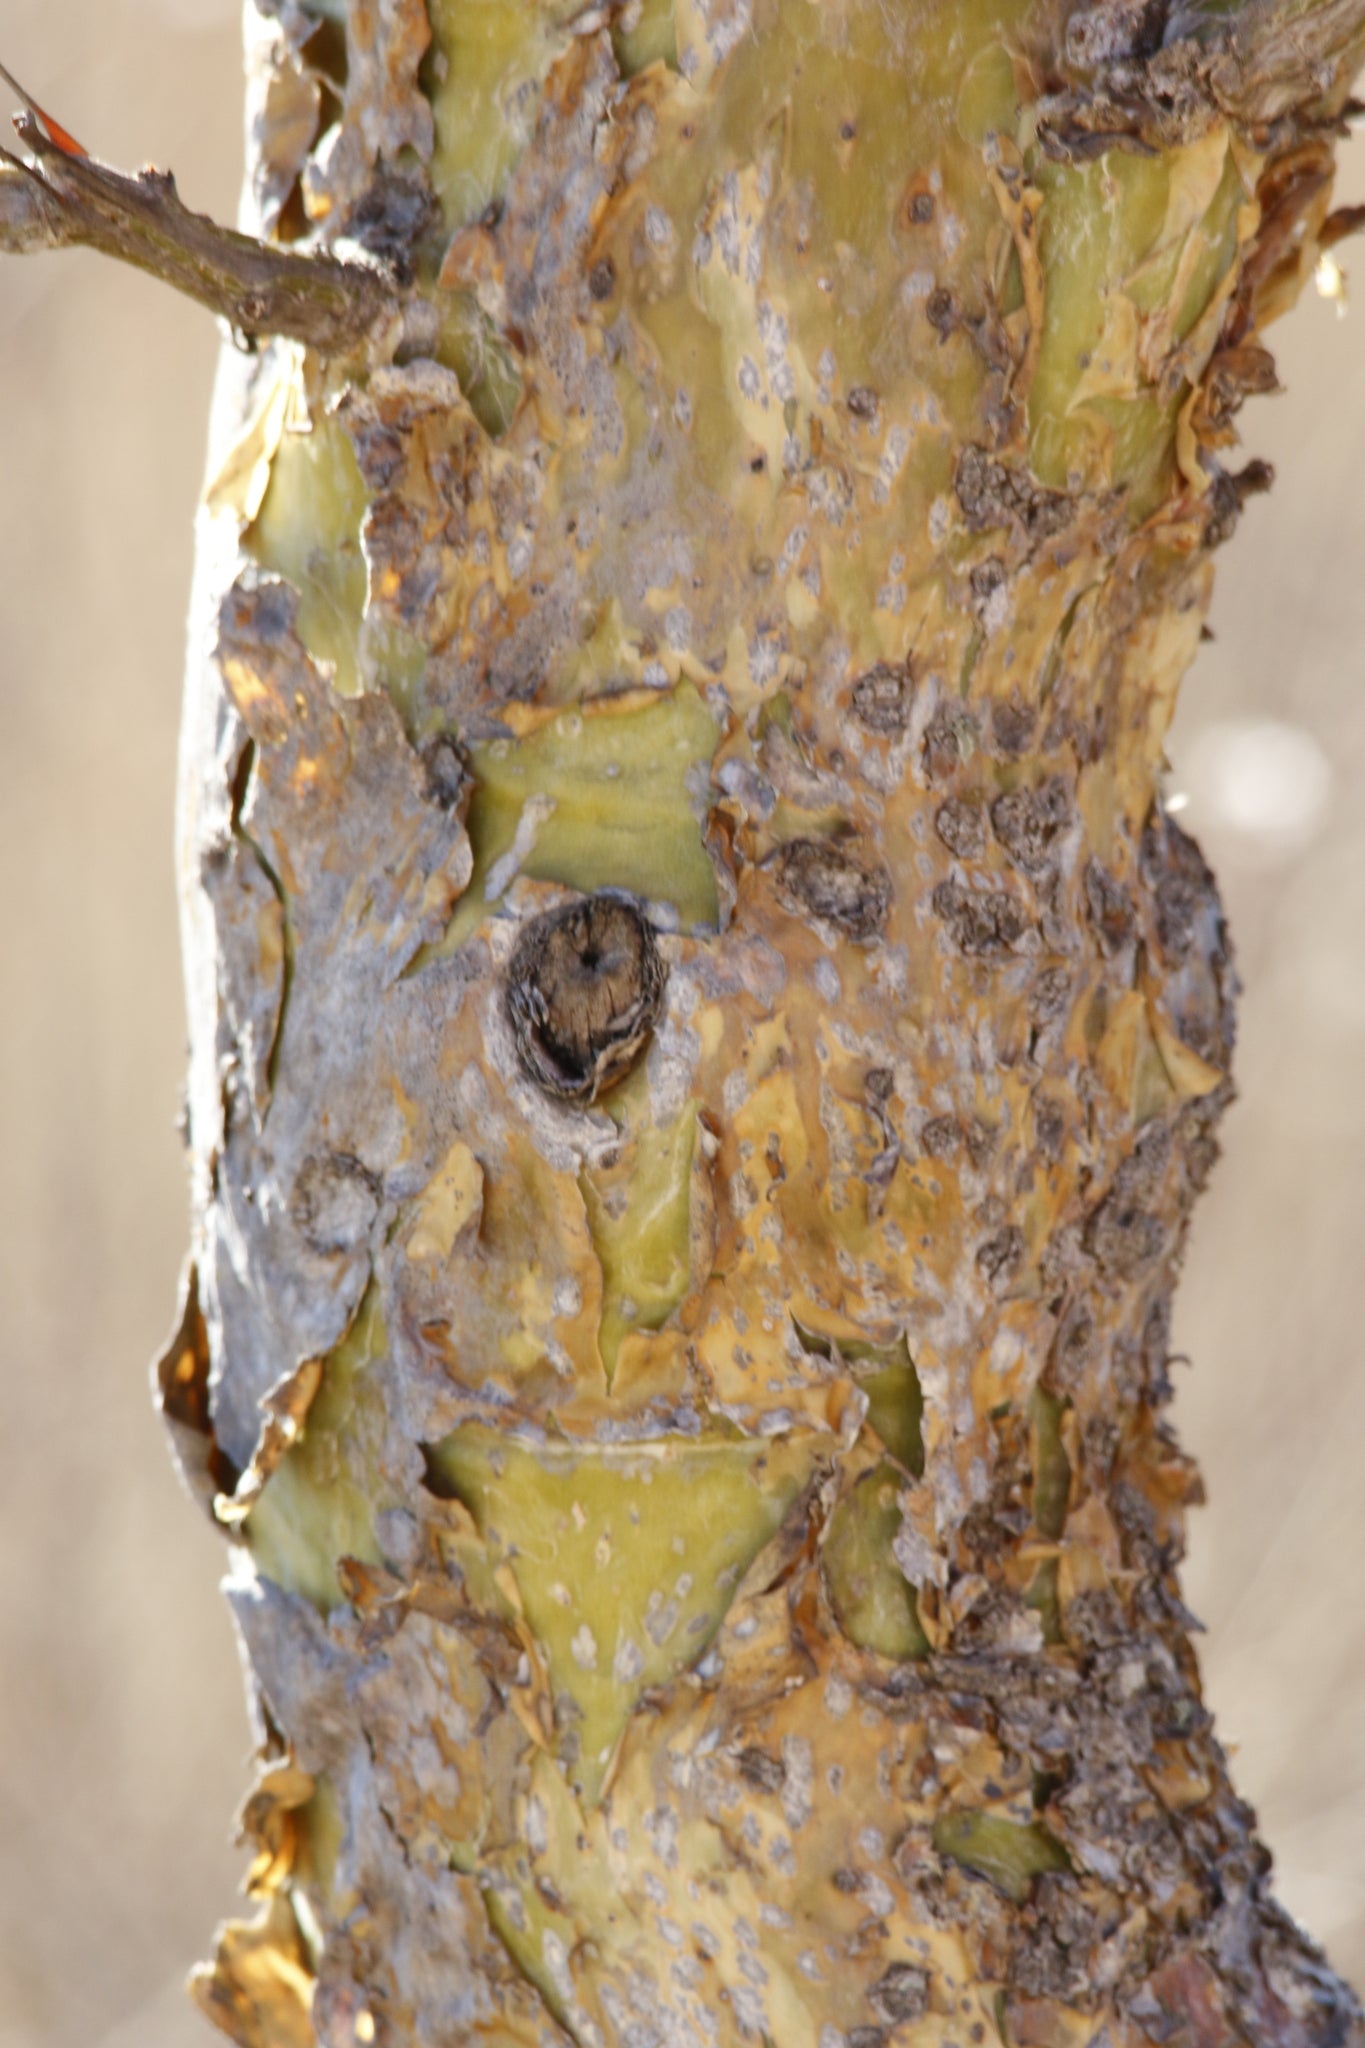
60, 197
1346, 220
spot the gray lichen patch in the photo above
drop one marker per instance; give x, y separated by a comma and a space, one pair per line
304, 1187
1029, 822
835, 887
881, 699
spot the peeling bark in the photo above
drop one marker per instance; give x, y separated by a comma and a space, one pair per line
704, 1039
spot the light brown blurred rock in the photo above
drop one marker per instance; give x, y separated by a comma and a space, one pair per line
123, 1733
120, 1704
1272, 1307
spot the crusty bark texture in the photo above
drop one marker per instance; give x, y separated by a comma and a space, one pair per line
704, 1038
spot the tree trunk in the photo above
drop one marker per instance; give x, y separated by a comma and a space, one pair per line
704, 1038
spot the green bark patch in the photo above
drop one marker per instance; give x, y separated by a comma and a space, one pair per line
651, 37
489, 374
308, 531
617, 799
895, 1406
1121, 238
483, 73
639, 1213
886, 1374
1009, 1854
874, 1602
1042, 1597
1051, 1466
555, 1903
319, 1504
626, 1557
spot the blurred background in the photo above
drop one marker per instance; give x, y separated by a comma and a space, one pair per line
123, 1740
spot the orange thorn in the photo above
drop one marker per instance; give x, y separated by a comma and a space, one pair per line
54, 130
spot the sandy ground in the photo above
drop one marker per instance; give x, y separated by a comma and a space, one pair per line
122, 1735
